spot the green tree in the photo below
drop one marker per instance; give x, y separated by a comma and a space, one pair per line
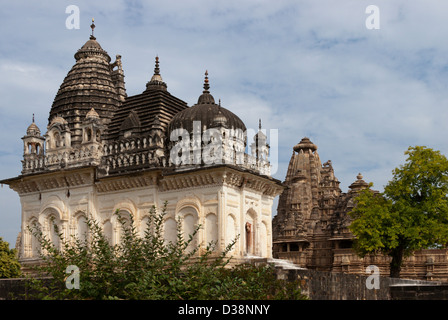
9, 265
411, 214
150, 268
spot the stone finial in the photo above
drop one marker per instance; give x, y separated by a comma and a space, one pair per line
156, 81
359, 184
92, 26
206, 83
157, 69
305, 144
206, 97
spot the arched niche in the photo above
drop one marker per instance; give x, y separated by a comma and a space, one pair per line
230, 230
57, 204
121, 221
189, 216
250, 237
170, 230
108, 231
81, 227
32, 245
211, 228
52, 228
144, 227
263, 246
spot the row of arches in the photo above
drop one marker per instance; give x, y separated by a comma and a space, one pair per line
253, 235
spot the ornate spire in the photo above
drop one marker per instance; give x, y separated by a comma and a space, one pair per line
305, 144
359, 184
206, 97
157, 69
92, 26
156, 81
206, 84
33, 129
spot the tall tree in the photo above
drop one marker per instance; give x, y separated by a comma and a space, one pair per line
411, 214
9, 265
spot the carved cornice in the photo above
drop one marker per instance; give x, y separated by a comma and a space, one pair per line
125, 182
189, 180
166, 181
52, 180
221, 176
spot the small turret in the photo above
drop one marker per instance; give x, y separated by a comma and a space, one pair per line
33, 149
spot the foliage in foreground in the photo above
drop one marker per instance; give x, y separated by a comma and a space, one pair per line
150, 268
411, 214
9, 265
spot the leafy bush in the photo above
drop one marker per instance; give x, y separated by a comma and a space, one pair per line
149, 267
9, 265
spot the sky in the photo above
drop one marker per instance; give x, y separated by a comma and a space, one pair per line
305, 67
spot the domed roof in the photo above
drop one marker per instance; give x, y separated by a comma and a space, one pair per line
359, 184
208, 113
33, 129
305, 144
89, 84
91, 48
58, 120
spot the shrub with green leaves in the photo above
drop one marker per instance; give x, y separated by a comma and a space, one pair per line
149, 267
9, 265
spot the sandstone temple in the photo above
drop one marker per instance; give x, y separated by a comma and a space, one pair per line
311, 227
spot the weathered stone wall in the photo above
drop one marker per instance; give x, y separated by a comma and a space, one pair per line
317, 285
419, 292
15, 289
320, 285
12, 289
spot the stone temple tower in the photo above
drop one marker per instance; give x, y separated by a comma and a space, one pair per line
305, 208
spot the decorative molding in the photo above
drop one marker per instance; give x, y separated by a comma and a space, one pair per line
126, 182
52, 180
220, 176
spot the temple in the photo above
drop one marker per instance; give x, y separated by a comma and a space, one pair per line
311, 227
105, 151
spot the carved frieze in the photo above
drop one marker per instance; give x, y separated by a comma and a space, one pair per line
126, 182
54, 180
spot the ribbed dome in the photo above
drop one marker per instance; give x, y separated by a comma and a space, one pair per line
208, 113
89, 84
91, 48
305, 144
33, 130
359, 184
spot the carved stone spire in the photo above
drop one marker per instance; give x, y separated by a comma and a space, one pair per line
92, 26
206, 97
156, 81
91, 83
156, 68
206, 84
